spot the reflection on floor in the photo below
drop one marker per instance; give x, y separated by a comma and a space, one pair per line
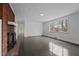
44, 46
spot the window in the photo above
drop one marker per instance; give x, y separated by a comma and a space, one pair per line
58, 26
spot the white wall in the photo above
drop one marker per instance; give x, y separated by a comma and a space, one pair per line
73, 30
33, 28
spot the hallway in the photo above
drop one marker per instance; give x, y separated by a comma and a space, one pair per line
44, 46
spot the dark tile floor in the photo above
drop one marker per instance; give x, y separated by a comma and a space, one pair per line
44, 46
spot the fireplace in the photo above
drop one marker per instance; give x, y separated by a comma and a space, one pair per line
11, 40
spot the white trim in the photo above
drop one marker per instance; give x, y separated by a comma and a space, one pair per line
0, 37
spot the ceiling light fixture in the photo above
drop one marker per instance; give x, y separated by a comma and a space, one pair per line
41, 14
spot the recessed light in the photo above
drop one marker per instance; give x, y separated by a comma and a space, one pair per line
41, 14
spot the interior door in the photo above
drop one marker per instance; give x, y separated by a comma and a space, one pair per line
21, 30
0, 37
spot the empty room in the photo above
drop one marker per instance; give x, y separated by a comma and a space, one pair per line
39, 29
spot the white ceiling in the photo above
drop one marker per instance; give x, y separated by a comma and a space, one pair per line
32, 11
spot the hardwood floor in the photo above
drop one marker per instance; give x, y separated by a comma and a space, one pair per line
44, 46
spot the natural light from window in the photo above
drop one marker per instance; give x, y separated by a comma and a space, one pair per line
57, 50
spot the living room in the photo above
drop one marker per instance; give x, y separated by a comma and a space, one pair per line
39, 29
